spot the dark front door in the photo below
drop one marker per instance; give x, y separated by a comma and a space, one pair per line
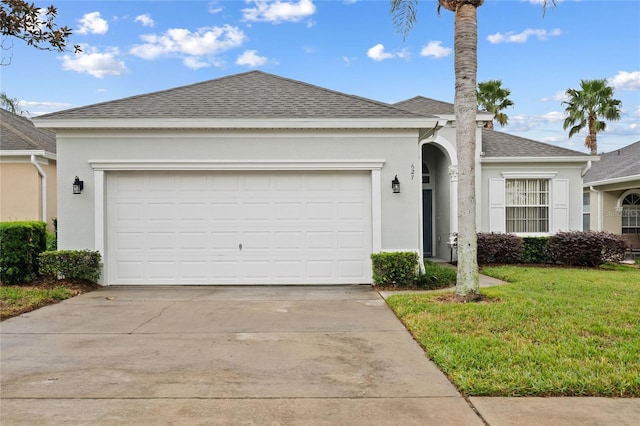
427, 222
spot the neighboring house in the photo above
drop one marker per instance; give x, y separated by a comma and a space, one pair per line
259, 179
612, 192
27, 170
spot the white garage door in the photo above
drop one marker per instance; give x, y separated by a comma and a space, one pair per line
238, 227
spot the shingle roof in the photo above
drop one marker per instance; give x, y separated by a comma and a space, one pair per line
250, 95
494, 144
499, 144
422, 105
616, 164
19, 134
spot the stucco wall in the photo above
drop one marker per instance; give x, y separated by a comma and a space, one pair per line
569, 171
604, 199
20, 189
398, 148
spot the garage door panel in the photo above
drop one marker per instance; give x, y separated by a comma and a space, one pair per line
238, 227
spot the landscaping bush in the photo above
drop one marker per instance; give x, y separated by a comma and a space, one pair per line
536, 250
499, 248
20, 245
435, 277
71, 265
586, 248
398, 269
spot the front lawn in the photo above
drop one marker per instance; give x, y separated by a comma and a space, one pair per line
551, 332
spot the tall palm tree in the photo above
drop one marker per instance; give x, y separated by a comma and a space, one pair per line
465, 36
494, 98
588, 108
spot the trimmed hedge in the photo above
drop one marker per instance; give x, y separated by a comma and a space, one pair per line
590, 248
398, 269
20, 245
499, 248
536, 250
70, 265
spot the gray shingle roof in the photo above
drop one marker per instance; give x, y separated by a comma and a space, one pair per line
499, 144
422, 105
494, 144
253, 94
19, 134
616, 164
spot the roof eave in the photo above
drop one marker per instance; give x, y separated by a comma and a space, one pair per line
275, 123
27, 153
622, 179
550, 159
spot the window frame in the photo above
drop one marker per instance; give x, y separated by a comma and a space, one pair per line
529, 200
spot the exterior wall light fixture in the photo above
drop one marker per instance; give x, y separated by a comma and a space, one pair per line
78, 186
395, 185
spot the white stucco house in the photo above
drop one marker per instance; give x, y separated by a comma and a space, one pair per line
258, 179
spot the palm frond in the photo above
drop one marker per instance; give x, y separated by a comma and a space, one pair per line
404, 13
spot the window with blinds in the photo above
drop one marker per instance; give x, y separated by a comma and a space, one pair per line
631, 214
527, 205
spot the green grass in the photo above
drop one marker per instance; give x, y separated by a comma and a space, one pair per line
18, 299
551, 332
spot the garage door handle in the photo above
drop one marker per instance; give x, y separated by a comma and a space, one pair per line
240, 246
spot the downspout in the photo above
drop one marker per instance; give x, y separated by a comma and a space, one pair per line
44, 187
586, 168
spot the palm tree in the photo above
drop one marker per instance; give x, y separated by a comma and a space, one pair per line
588, 108
465, 36
494, 98
10, 104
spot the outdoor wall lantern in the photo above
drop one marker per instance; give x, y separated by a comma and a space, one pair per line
395, 185
78, 186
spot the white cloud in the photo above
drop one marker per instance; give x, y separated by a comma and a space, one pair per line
523, 37
560, 96
95, 63
435, 49
377, 53
553, 116
626, 81
92, 23
199, 48
195, 63
45, 105
250, 58
552, 139
145, 20
279, 11
214, 7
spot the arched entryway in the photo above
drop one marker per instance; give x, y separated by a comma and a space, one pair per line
436, 200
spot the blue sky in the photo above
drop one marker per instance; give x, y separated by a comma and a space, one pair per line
134, 47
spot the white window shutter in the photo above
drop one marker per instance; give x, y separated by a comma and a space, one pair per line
496, 206
560, 215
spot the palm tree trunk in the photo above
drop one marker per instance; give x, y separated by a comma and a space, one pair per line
465, 105
593, 138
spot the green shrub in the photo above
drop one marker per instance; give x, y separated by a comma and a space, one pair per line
20, 245
587, 248
70, 265
499, 248
435, 277
536, 250
52, 243
398, 269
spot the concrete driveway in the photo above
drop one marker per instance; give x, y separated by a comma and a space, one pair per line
221, 355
